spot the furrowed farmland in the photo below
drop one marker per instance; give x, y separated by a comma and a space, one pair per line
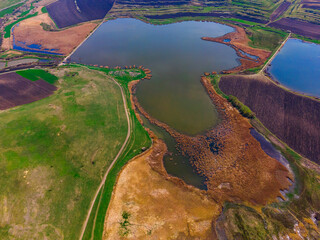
66, 13
16, 90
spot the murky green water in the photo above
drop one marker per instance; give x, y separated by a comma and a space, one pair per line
177, 57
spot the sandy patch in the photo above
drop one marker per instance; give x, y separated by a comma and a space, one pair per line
158, 208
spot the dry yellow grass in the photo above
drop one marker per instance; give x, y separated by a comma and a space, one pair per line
158, 208
31, 32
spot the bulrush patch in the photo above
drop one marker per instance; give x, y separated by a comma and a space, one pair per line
231, 159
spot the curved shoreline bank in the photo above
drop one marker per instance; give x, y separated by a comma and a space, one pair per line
228, 156
238, 40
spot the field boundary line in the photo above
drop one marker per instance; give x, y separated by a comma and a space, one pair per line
74, 50
84, 226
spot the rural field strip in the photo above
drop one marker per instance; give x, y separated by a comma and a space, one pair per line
276, 52
112, 163
12, 5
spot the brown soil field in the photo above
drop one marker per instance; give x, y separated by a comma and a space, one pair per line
16, 90
232, 161
66, 13
30, 32
312, 6
293, 118
210, 14
298, 27
158, 208
240, 41
280, 10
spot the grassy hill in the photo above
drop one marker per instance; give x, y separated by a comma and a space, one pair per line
54, 152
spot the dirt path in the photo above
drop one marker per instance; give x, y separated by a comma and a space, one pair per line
84, 226
278, 50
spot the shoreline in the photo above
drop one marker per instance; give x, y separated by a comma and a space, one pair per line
238, 40
223, 136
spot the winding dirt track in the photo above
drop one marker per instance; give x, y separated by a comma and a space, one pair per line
84, 226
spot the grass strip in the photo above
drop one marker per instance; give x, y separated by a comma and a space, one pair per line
139, 138
37, 74
8, 28
10, 9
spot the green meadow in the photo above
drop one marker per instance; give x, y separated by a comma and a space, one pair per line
54, 153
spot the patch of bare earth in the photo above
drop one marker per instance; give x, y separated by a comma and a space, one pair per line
158, 208
31, 32
239, 41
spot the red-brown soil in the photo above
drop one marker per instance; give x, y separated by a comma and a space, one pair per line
298, 27
280, 10
66, 13
293, 118
239, 41
235, 166
16, 90
30, 32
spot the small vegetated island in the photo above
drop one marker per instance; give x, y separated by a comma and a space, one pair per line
150, 128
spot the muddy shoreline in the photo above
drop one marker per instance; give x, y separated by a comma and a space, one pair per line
235, 166
238, 40
156, 162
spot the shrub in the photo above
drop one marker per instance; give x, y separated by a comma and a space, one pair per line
243, 109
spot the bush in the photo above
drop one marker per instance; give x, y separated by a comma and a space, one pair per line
243, 109
45, 26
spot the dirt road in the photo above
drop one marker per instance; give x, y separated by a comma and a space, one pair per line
113, 162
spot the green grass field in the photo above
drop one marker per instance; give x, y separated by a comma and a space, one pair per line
36, 74
8, 28
55, 151
138, 139
265, 37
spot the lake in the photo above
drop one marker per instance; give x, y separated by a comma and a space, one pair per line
297, 66
177, 57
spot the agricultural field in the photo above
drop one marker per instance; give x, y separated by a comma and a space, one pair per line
55, 151
30, 34
8, 3
306, 29
18, 90
66, 13
276, 108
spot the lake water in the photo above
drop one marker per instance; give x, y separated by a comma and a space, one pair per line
297, 66
177, 57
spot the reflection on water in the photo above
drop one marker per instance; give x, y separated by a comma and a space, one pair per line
297, 66
177, 57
